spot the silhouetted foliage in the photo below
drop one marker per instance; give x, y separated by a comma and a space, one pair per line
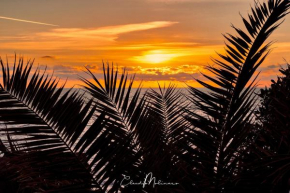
47, 145
274, 112
271, 150
39, 119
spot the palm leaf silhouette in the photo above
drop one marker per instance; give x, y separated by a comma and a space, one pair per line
118, 114
223, 122
42, 122
162, 140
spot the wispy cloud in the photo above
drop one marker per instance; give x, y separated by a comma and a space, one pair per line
102, 32
79, 38
26, 21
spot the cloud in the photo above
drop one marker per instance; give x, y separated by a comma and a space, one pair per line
48, 57
272, 66
65, 71
79, 38
180, 77
104, 32
271, 71
182, 73
91, 67
179, 73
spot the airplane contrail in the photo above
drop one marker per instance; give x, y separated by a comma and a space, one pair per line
27, 21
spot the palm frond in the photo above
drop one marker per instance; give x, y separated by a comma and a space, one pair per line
225, 114
40, 118
119, 110
163, 139
166, 109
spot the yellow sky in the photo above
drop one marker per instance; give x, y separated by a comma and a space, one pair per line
158, 40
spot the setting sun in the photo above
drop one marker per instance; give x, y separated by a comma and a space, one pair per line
155, 57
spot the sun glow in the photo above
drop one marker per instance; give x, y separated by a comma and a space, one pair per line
156, 56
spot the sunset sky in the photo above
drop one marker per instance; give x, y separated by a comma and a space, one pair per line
159, 40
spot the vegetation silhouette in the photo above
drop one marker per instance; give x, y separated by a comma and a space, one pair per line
213, 141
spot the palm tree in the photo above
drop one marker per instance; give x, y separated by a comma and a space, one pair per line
222, 127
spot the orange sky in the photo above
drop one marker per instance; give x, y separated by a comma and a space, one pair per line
159, 40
